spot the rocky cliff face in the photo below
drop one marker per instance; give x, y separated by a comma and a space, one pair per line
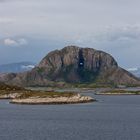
74, 65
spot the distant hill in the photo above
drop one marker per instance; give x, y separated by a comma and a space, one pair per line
74, 65
135, 71
16, 67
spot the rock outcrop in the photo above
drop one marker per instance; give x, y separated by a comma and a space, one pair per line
74, 65
57, 100
10, 95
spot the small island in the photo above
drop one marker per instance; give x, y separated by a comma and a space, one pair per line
19, 95
51, 98
119, 92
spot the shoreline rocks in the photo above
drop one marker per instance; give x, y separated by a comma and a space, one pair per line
58, 100
10, 96
109, 93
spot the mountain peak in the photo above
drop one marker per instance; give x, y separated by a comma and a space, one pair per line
74, 64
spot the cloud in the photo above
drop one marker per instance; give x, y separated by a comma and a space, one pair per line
10, 42
108, 25
110, 34
2, 1
14, 42
61, 17
5, 20
22, 41
124, 33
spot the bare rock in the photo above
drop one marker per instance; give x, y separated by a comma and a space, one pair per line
57, 100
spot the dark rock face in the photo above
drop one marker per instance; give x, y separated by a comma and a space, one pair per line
75, 65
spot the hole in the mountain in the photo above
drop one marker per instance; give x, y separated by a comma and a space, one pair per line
81, 59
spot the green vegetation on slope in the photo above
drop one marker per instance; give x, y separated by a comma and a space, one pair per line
45, 94
25, 93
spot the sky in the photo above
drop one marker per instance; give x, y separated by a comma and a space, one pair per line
29, 29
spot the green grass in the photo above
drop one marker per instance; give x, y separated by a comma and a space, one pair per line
7, 89
40, 70
45, 94
90, 85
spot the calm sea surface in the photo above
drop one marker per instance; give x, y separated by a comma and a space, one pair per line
111, 118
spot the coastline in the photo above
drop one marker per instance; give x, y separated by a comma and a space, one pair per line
59, 96
116, 94
25, 96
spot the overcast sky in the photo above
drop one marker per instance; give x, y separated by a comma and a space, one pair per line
29, 29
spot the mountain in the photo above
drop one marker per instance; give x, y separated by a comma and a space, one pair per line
16, 67
135, 71
74, 65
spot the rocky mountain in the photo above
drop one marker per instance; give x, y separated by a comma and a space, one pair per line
16, 67
73, 64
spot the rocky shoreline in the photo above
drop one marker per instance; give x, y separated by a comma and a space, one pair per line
57, 100
19, 95
116, 94
119, 92
10, 96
